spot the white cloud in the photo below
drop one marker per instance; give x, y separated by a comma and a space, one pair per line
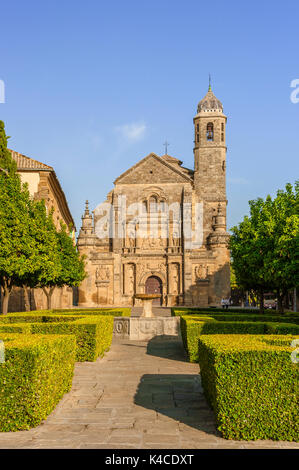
132, 132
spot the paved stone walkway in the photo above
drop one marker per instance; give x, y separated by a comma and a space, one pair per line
140, 395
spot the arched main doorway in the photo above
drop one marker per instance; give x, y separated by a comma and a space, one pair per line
153, 285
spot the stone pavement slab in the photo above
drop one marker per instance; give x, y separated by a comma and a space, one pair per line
141, 395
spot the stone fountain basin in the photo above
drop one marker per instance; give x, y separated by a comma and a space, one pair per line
147, 296
147, 300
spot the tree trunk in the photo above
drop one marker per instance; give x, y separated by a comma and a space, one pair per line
26, 298
280, 297
5, 302
49, 296
6, 294
261, 299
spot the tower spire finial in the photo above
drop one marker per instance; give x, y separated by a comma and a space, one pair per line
210, 88
86, 208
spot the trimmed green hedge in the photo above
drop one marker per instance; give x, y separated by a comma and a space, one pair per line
193, 327
37, 372
258, 318
29, 318
93, 333
289, 318
282, 329
177, 311
116, 312
236, 313
252, 385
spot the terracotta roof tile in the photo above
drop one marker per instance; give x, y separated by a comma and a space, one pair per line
26, 163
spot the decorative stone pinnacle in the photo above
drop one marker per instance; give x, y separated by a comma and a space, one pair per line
86, 208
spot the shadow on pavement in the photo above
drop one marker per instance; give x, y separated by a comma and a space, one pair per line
177, 396
168, 347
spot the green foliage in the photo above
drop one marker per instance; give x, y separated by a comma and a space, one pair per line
58, 262
47, 267
257, 318
265, 246
252, 385
38, 317
37, 372
72, 264
178, 311
282, 329
16, 246
32, 252
193, 327
6, 162
7, 327
239, 316
116, 312
93, 332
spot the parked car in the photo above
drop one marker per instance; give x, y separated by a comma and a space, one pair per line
270, 303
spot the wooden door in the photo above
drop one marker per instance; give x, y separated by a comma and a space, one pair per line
153, 285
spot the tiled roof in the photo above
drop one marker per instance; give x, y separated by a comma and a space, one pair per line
171, 159
26, 163
210, 103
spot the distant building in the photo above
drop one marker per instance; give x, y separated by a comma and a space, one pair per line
129, 260
43, 184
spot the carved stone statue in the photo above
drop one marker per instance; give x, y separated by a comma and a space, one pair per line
200, 272
131, 281
175, 280
131, 237
175, 238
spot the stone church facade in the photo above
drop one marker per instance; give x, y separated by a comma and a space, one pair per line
162, 228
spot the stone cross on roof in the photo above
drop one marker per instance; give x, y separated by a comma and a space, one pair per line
166, 146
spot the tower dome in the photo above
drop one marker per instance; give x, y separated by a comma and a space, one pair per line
210, 103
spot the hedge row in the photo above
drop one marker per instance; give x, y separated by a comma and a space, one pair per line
38, 317
244, 317
115, 312
37, 372
257, 318
175, 311
252, 385
93, 333
192, 329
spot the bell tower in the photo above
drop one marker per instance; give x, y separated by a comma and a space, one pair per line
210, 149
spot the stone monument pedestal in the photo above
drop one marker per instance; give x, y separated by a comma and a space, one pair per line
144, 329
147, 302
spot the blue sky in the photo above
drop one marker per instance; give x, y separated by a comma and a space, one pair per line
94, 86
